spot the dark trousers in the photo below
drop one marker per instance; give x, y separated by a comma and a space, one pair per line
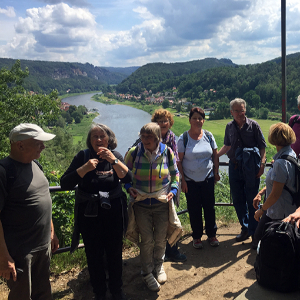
260, 229
100, 234
33, 283
242, 198
201, 195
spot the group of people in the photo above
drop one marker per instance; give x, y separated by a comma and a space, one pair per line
155, 170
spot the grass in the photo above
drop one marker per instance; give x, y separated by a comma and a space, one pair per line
75, 94
66, 261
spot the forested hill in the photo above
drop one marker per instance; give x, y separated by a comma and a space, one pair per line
150, 76
44, 76
258, 84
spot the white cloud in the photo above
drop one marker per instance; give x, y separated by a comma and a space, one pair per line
246, 31
9, 11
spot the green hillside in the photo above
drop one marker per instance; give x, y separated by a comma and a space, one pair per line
45, 76
161, 76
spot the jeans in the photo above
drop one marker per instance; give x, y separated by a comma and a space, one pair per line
201, 195
242, 198
34, 282
152, 222
100, 234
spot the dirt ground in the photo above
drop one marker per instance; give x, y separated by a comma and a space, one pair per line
209, 273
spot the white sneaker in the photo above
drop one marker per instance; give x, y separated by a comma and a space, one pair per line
161, 275
151, 282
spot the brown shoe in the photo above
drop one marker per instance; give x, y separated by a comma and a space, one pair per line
242, 236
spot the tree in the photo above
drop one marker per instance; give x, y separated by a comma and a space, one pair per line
178, 107
19, 106
165, 104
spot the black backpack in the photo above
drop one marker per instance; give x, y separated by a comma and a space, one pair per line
296, 162
277, 262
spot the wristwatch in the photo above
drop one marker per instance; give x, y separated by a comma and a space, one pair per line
263, 210
115, 162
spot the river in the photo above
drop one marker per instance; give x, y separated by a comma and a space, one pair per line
125, 121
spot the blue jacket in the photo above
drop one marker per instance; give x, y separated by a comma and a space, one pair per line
248, 160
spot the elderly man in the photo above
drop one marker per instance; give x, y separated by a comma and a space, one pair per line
244, 133
294, 122
26, 230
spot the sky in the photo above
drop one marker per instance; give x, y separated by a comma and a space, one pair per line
123, 33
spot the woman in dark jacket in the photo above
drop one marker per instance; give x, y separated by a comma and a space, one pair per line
100, 207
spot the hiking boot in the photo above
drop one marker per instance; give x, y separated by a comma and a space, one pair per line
242, 236
160, 273
151, 282
178, 257
213, 241
197, 243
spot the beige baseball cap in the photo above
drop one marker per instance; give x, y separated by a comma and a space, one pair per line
26, 131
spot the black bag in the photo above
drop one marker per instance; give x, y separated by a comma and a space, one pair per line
277, 264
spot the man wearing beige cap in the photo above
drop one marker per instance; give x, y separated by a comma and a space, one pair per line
26, 230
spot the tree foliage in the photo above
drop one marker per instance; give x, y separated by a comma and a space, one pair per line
19, 106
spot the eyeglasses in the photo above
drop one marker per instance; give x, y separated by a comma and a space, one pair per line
146, 137
162, 121
239, 111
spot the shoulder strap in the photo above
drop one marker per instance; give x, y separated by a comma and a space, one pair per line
294, 161
185, 140
134, 154
209, 135
295, 121
39, 165
11, 171
169, 155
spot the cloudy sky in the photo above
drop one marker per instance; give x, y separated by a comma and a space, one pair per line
123, 33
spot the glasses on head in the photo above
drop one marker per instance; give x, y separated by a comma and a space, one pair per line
162, 121
146, 137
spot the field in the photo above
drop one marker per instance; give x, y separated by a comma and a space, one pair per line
217, 127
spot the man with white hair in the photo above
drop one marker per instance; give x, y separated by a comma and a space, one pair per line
244, 139
26, 230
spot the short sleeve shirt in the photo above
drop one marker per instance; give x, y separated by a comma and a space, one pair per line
284, 172
197, 163
26, 210
251, 134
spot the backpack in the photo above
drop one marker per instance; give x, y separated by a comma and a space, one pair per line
11, 171
134, 154
296, 162
295, 120
277, 262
